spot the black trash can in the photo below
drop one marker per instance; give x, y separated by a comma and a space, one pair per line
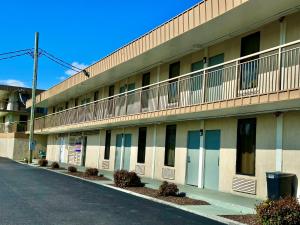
280, 185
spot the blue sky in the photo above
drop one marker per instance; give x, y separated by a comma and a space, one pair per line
78, 31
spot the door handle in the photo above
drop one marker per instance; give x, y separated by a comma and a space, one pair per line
188, 159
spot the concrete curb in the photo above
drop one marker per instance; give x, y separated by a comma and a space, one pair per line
216, 218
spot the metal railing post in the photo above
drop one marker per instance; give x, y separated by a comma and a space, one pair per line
279, 69
237, 79
204, 86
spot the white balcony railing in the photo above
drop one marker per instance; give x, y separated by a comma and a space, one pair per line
13, 127
269, 71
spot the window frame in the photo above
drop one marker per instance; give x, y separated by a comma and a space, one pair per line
239, 152
141, 154
107, 144
170, 130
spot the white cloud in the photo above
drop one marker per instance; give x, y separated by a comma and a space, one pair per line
61, 78
77, 65
12, 82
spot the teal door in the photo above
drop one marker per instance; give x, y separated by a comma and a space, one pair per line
118, 151
193, 147
212, 154
127, 148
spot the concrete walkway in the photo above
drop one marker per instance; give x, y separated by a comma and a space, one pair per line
220, 203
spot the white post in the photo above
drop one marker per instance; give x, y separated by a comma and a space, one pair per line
154, 152
68, 148
122, 149
282, 31
157, 92
279, 136
99, 149
201, 156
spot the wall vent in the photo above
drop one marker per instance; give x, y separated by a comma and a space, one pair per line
105, 165
140, 169
168, 173
244, 185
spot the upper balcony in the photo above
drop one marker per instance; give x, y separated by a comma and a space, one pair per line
11, 106
265, 81
207, 23
14, 127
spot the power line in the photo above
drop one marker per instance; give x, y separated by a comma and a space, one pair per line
23, 50
13, 56
56, 61
28, 51
64, 63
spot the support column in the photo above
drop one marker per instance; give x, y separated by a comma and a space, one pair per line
278, 140
201, 156
157, 91
282, 30
122, 149
99, 149
154, 151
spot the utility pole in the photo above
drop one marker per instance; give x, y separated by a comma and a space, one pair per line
34, 81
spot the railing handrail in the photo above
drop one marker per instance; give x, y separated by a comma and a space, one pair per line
180, 76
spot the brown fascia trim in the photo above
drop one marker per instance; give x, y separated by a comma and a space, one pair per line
193, 17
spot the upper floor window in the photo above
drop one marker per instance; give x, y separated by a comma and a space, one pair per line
96, 95
249, 66
174, 71
76, 102
111, 90
145, 93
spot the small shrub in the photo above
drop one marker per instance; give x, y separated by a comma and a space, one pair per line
25, 160
123, 179
91, 172
168, 189
54, 165
284, 212
72, 169
43, 162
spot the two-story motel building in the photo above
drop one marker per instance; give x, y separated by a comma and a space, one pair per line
210, 98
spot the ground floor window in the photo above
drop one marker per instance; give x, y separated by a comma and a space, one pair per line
107, 144
246, 146
142, 145
170, 145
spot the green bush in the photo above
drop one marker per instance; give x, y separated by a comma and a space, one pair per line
91, 172
43, 162
123, 179
54, 165
72, 169
168, 189
281, 212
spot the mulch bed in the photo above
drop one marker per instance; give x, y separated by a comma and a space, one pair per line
83, 175
249, 219
173, 199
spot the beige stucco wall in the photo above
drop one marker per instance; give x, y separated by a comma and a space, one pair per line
291, 144
15, 146
52, 148
270, 36
92, 151
265, 148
